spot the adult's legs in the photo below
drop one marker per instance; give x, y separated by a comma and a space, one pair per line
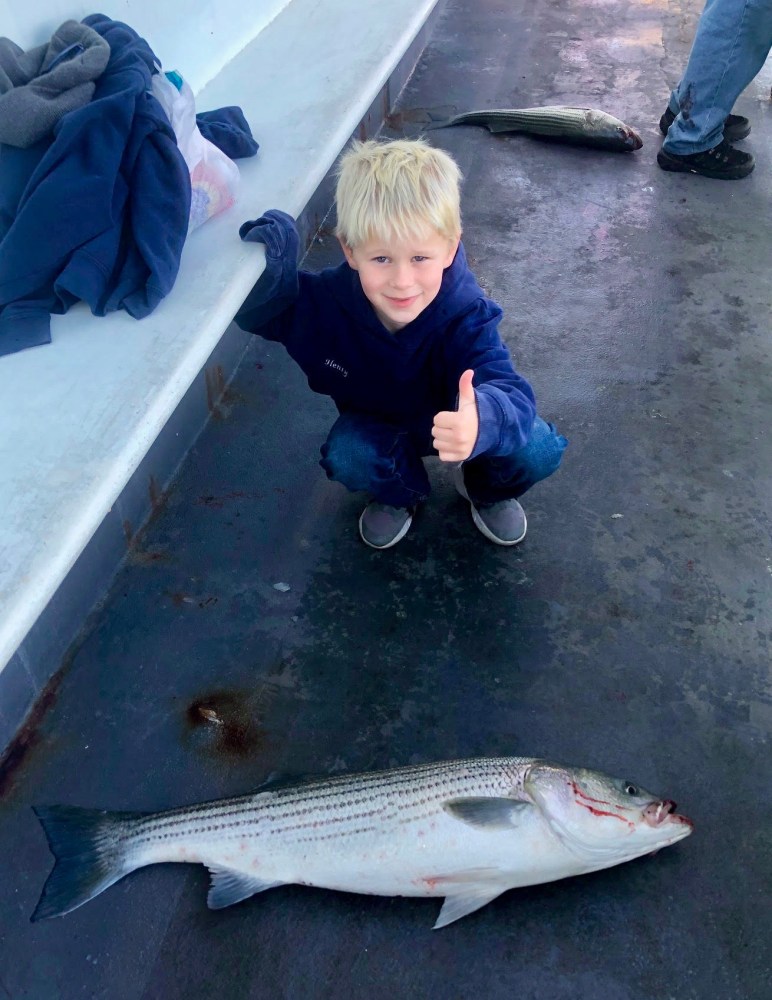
730, 47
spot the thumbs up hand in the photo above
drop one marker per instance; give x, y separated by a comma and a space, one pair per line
455, 432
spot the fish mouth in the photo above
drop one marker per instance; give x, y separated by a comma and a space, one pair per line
658, 813
632, 139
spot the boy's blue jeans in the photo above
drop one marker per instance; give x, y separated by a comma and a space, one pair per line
385, 461
730, 46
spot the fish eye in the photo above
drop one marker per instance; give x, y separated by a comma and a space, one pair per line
630, 789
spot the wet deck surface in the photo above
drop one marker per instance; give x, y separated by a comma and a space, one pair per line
631, 631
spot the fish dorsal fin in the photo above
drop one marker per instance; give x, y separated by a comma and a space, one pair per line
229, 887
489, 813
459, 904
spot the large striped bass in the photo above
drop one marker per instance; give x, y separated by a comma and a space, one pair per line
581, 126
465, 830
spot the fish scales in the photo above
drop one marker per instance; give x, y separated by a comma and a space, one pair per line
354, 809
350, 811
529, 116
343, 792
464, 830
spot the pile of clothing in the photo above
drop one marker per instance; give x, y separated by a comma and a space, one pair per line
95, 190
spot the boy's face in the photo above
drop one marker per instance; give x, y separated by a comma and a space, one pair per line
401, 277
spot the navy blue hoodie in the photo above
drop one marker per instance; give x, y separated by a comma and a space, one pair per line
99, 211
332, 331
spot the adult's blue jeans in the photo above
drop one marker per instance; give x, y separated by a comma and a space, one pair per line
732, 42
385, 461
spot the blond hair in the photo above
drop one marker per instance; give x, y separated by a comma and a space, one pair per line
397, 189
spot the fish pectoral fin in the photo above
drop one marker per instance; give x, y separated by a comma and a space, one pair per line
460, 904
492, 813
229, 887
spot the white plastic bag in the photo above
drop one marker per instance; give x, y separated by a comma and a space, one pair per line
214, 177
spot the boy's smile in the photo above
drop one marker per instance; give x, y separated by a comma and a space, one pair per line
400, 277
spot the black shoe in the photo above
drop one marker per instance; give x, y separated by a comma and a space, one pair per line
723, 162
735, 126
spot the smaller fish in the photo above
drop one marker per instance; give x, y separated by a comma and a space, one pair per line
579, 126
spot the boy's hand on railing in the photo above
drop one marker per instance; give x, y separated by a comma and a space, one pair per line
275, 229
455, 432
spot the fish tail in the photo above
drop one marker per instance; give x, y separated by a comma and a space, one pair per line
90, 849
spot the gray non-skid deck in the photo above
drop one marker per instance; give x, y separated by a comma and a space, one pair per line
630, 632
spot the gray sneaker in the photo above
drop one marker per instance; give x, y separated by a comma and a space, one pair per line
382, 526
503, 523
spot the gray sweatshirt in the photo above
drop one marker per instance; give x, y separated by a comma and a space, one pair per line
38, 87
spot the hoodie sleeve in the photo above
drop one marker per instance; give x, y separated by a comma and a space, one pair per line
506, 405
268, 309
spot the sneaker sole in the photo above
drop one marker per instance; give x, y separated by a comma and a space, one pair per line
485, 530
667, 162
397, 538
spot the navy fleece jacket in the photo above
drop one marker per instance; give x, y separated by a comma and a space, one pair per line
97, 212
405, 378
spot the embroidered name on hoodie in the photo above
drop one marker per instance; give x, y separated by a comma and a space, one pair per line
338, 368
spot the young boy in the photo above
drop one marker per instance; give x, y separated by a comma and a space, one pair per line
405, 342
